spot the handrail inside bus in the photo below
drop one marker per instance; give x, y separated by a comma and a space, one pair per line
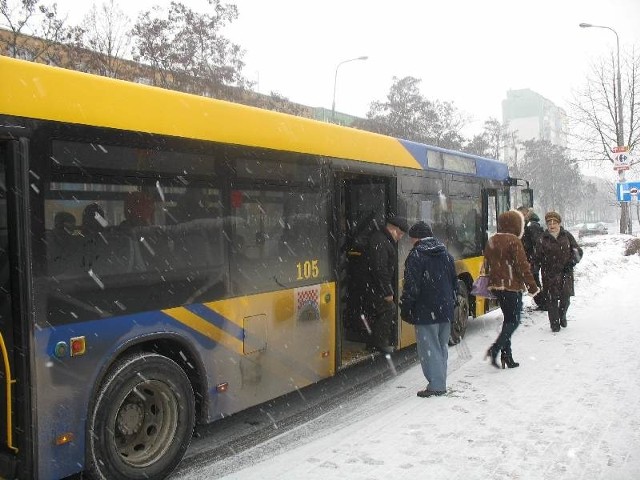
9, 381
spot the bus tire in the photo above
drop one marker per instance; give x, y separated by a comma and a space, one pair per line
142, 420
460, 315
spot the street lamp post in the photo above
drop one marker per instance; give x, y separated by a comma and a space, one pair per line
335, 81
625, 220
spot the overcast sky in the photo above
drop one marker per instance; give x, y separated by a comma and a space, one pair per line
467, 51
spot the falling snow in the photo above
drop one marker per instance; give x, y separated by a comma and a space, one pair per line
571, 411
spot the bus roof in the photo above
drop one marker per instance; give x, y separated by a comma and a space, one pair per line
38, 91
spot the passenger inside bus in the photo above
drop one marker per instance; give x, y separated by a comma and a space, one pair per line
64, 226
93, 220
138, 209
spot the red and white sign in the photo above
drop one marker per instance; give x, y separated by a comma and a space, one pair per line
620, 149
621, 161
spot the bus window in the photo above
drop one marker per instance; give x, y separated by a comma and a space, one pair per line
455, 221
492, 218
467, 227
116, 262
279, 238
5, 284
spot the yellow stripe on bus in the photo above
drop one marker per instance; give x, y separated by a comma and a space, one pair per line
206, 328
49, 93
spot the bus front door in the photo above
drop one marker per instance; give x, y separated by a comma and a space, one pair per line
15, 446
362, 205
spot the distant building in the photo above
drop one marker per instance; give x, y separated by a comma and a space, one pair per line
326, 115
527, 115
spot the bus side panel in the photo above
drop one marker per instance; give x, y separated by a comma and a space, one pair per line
262, 346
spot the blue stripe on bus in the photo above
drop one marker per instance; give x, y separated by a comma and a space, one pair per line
216, 319
418, 151
104, 331
485, 167
491, 169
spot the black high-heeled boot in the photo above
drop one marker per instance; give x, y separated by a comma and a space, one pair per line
493, 354
507, 359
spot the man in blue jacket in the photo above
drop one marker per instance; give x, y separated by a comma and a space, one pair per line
428, 302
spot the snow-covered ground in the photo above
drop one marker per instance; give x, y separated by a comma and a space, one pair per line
570, 411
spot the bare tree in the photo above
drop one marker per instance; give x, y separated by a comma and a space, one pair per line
25, 19
554, 175
595, 117
104, 36
446, 130
278, 103
490, 143
188, 50
406, 113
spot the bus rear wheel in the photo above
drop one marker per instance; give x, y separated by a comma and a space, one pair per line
142, 420
460, 315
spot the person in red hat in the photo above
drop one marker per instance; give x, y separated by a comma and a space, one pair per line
138, 209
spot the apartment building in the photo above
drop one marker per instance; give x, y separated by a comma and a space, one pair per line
527, 115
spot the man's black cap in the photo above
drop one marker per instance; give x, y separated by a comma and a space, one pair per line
420, 230
399, 222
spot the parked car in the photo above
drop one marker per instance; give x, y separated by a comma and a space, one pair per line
598, 228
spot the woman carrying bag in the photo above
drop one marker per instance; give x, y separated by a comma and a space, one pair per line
557, 253
509, 275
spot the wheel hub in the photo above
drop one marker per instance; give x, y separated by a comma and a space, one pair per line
130, 418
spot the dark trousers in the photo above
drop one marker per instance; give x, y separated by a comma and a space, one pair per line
539, 299
557, 306
382, 318
535, 271
510, 304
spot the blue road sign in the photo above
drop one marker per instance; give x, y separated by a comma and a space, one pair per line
628, 191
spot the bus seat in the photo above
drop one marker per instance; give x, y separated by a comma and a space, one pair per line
153, 249
191, 249
198, 244
64, 255
109, 253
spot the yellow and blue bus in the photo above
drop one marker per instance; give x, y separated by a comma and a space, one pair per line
168, 259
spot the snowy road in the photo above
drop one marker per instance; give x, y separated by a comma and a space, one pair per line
571, 411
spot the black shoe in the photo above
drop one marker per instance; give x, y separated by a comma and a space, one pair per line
493, 354
563, 322
555, 327
431, 393
506, 359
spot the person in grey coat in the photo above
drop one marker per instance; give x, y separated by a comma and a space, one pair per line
428, 302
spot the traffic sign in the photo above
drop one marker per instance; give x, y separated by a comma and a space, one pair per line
621, 161
627, 191
620, 149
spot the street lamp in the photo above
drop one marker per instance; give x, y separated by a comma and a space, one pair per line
335, 81
620, 130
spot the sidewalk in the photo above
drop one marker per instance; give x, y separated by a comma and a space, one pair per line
570, 411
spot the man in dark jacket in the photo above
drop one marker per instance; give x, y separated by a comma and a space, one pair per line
532, 233
428, 302
382, 259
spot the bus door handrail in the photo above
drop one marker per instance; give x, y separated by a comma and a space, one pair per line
9, 382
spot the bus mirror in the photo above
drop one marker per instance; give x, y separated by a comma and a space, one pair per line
527, 197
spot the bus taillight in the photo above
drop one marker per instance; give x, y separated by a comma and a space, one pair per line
78, 346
